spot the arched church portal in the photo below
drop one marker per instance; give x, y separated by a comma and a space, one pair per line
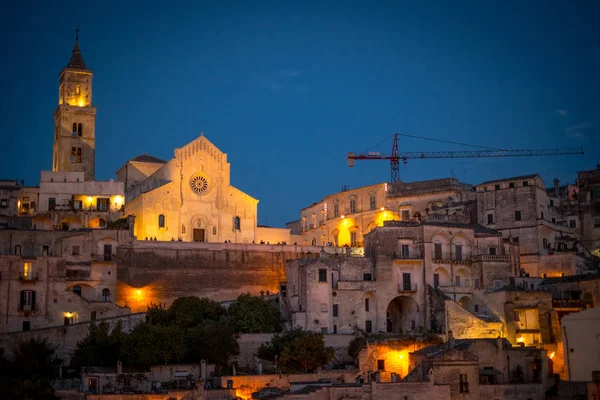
199, 229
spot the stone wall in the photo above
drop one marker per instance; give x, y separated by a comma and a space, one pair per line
66, 337
247, 384
163, 271
533, 391
465, 325
416, 391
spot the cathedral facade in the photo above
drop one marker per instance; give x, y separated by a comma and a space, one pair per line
189, 197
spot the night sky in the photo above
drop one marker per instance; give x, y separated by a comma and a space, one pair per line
287, 89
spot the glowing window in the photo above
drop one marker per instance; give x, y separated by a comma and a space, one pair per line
27, 270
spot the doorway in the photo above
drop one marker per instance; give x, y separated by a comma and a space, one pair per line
93, 385
199, 235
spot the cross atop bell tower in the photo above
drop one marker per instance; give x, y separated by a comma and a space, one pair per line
75, 118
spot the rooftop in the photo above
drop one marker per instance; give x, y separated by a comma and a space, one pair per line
76, 60
476, 227
515, 178
148, 159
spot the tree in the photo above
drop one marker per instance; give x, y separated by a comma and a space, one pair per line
191, 311
157, 314
298, 351
100, 348
355, 346
35, 359
269, 350
251, 314
216, 342
149, 345
27, 372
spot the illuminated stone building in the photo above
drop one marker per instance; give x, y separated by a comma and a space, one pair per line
75, 119
55, 269
483, 369
53, 278
190, 197
344, 218
580, 206
388, 290
521, 210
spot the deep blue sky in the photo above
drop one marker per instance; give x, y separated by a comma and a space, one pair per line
287, 89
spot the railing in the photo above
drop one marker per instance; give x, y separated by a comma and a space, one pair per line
441, 260
399, 255
567, 304
103, 258
31, 308
490, 258
464, 261
356, 285
456, 289
77, 275
407, 287
29, 279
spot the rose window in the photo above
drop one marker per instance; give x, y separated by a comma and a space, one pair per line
199, 184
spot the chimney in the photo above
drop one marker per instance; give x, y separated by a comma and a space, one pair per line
556, 187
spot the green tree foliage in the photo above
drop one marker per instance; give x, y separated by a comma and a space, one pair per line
251, 314
157, 314
215, 342
26, 373
100, 348
355, 346
191, 311
191, 329
298, 351
148, 345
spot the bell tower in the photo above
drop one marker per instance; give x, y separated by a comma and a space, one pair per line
75, 119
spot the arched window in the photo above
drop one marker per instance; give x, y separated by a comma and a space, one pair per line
77, 290
105, 294
214, 230
80, 130
236, 223
74, 128
161, 221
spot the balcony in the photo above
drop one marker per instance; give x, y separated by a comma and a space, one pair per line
77, 275
29, 279
464, 261
456, 289
356, 285
407, 287
399, 255
104, 258
490, 258
569, 303
28, 308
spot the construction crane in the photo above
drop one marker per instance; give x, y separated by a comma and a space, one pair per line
396, 156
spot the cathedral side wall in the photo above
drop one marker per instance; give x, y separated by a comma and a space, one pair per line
162, 272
